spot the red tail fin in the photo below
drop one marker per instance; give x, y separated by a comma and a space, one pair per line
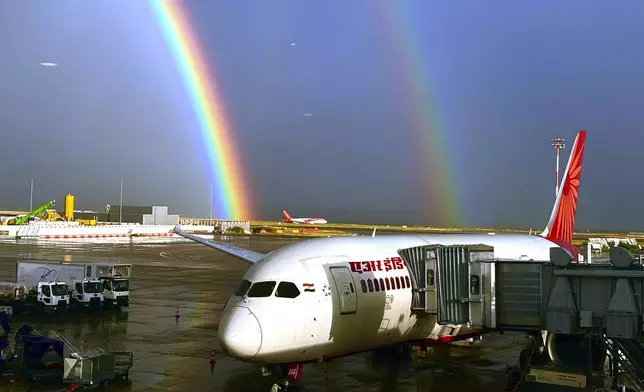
287, 217
562, 220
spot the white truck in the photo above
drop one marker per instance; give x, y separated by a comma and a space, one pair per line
116, 283
59, 285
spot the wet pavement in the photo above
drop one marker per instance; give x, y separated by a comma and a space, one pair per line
171, 355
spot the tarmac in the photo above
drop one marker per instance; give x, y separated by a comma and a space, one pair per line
173, 355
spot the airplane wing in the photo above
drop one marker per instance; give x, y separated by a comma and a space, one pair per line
246, 255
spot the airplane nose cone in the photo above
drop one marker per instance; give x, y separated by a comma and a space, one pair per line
240, 333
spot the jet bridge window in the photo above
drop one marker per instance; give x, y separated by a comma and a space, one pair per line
243, 287
287, 290
261, 289
430, 277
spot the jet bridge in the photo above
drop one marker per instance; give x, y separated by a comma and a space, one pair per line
464, 284
449, 281
599, 306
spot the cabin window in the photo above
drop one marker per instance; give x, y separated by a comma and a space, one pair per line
398, 283
287, 290
261, 289
363, 285
382, 284
79, 288
388, 285
45, 290
393, 283
242, 288
407, 282
370, 284
376, 285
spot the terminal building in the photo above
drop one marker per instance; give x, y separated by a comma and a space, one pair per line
145, 215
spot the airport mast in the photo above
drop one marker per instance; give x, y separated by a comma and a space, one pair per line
121, 206
558, 143
210, 203
31, 195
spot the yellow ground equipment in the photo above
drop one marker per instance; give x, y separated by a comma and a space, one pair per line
69, 207
51, 216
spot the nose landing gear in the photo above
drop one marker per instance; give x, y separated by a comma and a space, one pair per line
287, 372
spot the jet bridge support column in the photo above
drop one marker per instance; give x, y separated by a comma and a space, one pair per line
593, 314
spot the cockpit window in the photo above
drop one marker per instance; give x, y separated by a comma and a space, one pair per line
287, 290
261, 289
243, 287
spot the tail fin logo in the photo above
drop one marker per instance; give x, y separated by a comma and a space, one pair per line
562, 220
287, 217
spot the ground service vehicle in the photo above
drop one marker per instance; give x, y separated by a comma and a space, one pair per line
115, 279
83, 290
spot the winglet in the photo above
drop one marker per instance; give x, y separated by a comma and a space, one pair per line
373, 235
247, 255
562, 219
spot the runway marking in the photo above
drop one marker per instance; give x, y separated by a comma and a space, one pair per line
166, 255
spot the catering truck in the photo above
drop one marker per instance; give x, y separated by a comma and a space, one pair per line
59, 285
55, 286
116, 282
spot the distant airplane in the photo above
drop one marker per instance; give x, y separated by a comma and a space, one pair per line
309, 221
324, 298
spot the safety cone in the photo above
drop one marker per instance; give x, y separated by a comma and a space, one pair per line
212, 360
73, 387
176, 315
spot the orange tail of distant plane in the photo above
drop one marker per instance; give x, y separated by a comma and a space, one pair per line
287, 217
562, 220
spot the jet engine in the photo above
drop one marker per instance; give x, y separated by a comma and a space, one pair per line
574, 352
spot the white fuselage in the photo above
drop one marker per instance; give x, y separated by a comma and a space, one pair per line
310, 221
333, 315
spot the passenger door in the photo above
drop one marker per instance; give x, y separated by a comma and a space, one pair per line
345, 289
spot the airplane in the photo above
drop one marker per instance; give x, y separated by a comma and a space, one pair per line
324, 298
308, 221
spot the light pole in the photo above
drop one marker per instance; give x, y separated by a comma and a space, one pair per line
31, 196
558, 143
121, 205
210, 203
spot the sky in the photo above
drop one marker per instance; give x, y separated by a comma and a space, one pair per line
403, 112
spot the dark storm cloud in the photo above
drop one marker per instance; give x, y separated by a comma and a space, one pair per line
325, 125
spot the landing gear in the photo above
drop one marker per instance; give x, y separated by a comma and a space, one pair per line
286, 372
396, 352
